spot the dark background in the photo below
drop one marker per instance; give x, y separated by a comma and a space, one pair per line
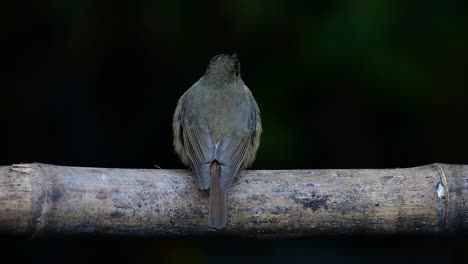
341, 84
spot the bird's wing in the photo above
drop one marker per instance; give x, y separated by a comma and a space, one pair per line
177, 129
231, 153
200, 148
194, 146
236, 152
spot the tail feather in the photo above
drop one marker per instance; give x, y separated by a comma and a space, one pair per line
217, 206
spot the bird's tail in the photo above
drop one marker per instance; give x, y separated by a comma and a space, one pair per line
217, 210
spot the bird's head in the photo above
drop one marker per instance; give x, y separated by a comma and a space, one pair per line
223, 67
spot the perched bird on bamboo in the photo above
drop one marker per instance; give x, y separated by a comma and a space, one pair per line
217, 131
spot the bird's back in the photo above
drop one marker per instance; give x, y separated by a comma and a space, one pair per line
226, 111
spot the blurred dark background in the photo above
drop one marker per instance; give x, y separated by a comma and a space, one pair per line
341, 84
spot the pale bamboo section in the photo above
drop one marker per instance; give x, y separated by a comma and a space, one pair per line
41, 199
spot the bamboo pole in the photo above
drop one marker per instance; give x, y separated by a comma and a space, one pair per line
43, 200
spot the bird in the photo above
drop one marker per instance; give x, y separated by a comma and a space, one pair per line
216, 131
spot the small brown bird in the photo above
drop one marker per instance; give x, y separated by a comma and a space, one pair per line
217, 130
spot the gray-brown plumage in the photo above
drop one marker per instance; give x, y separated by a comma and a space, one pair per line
217, 131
